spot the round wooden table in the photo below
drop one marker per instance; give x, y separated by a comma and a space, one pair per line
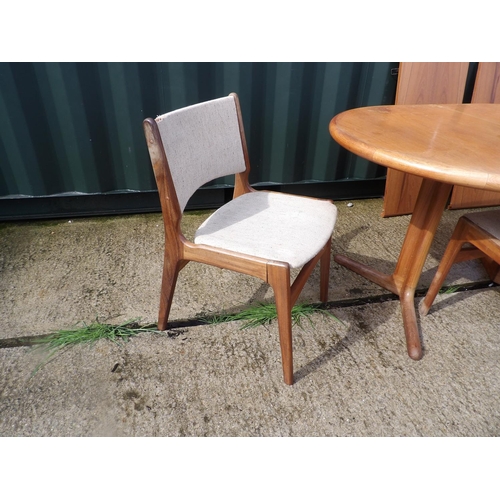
445, 144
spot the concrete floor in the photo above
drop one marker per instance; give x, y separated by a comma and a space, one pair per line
352, 378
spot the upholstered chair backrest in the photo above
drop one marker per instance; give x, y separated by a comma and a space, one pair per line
202, 142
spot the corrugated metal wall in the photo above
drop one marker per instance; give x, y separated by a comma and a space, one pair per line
76, 128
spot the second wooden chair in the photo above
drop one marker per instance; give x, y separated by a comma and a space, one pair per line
482, 230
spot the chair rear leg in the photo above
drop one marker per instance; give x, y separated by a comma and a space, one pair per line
492, 268
324, 267
279, 279
444, 267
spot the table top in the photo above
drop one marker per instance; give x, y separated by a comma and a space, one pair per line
452, 143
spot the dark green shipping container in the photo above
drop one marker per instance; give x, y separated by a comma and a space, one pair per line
71, 139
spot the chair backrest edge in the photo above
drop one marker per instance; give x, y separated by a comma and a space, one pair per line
168, 197
241, 180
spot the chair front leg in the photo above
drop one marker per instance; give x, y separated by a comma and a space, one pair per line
279, 278
492, 268
447, 260
171, 269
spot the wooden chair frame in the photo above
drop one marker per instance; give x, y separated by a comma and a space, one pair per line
485, 247
179, 251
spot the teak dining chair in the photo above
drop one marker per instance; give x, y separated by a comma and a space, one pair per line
262, 234
482, 230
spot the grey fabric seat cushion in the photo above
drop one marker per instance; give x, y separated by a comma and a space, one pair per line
272, 226
489, 221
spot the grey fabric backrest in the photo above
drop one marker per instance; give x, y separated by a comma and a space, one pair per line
202, 142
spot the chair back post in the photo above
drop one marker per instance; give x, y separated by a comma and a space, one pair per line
241, 182
168, 197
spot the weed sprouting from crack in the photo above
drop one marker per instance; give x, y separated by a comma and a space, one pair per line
62, 340
262, 314
449, 289
265, 314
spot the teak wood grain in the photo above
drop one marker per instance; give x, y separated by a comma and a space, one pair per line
443, 144
486, 90
453, 143
421, 83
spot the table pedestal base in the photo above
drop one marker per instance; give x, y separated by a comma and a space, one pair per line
431, 202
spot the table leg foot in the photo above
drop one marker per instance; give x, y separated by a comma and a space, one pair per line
407, 301
423, 308
413, 345
431, 202
384, 280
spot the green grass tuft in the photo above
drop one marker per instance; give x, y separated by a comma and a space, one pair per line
88, 334
265, 314
448, 289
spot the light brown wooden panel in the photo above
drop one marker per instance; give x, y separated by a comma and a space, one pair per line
486, 89
421, 83
463, 197
487, 84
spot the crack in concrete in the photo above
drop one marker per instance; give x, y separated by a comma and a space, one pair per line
176, 327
